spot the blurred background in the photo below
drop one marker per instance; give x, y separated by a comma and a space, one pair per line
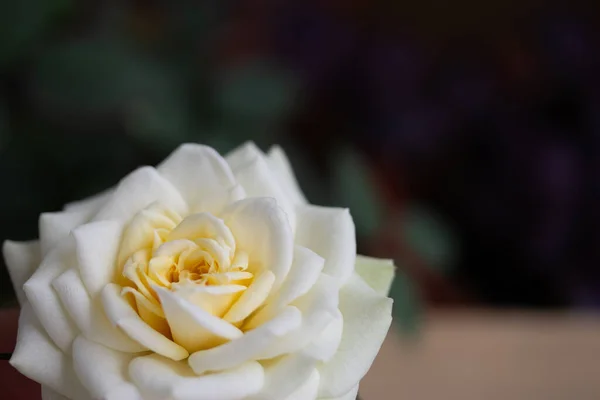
464, 136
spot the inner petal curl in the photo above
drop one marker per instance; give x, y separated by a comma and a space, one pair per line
194, 257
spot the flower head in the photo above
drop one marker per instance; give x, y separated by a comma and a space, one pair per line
205, 278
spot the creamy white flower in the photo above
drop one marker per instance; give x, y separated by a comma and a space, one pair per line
207, 278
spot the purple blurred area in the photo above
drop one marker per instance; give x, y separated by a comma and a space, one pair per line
484, 114
490, 123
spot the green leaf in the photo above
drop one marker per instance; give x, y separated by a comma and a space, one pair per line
104, 80
430, 238
407, 309
98, 77
353, 188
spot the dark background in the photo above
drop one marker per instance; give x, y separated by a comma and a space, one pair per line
463, 135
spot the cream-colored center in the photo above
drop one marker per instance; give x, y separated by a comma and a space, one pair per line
195, 257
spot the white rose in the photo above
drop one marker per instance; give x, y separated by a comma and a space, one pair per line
203, 279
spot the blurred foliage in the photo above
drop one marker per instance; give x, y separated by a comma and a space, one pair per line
256, 92
4, 123
407, 311
429, 238
485, 145
93, 91
24, 23
354, 188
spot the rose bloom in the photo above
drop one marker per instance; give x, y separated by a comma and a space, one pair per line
207, 278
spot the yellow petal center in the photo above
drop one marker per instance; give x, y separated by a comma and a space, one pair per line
194, 256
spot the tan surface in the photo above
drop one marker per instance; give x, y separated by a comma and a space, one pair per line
491, 356
461, 356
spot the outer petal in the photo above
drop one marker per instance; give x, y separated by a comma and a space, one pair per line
324, 347
282, 168
329, 232
261, 229
367, 318
138, 190
248, 347
22, 259
49, 394
285, 376
243, 154
39, 359
192, 327
160, 378
319, 308
103, 371
306, 269
351, 395
121, 314
252, 171
44, 300
377, 272
199, 173
88, 314
91, 205
97, 245
54, 227
215, 202
308, 391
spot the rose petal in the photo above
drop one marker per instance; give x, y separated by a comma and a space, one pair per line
248, 347
120, 313
45, 301
192, 327
261, 230
367, 318
243, 154
329, 232
160, 378
306, 269
150, 312
251, 170
203, 225
351, 395
104, 372
377, 272
141, 231
215, 249
198, 172
91, 205
139, 330
54, 227
88, 314
215, 300
49, 394
308, 391
280, 164
96, 245
319, 308
138, 190
252, 298
285, 376
22, 259
215, 202
324, 347
37, 358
